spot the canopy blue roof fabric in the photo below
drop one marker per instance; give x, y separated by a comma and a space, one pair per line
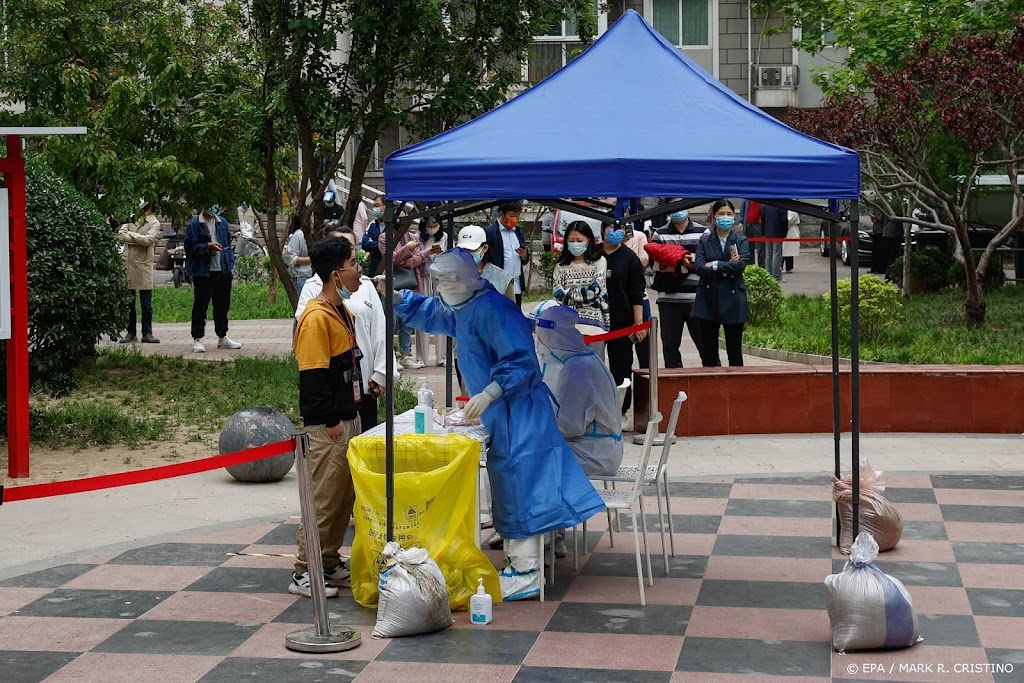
630, 117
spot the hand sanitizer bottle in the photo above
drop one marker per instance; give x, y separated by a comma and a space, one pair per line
424, 411
481, 606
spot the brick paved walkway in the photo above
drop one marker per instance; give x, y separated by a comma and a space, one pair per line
744, 601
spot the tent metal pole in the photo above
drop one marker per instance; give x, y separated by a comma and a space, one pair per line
390, 224
855, 361
834, 305
449, 345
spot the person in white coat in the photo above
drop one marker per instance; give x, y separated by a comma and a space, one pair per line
365, 305
790, 250
584, 392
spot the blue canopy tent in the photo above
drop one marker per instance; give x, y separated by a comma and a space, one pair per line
583, 132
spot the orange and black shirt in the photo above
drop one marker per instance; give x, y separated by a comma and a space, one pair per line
328, 358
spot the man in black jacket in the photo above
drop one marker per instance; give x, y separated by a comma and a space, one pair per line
507, 246
775, 222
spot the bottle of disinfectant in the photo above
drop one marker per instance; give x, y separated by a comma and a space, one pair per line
481, 606
424, 410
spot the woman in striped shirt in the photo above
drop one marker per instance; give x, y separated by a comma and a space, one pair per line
580, 277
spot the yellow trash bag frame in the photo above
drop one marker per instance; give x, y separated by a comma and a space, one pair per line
435, 507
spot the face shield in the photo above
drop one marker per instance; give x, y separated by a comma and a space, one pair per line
456, 276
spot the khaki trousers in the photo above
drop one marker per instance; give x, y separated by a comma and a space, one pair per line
332, 491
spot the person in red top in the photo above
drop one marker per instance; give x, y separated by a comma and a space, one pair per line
751, 226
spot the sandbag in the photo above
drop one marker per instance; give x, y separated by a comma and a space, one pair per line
867, 608
413, 595
878, 516
435, 508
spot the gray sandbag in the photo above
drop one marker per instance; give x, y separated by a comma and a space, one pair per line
867, 608
413, 594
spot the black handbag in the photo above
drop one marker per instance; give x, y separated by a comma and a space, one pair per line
405, 278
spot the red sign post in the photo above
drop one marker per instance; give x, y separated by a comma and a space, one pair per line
13, 168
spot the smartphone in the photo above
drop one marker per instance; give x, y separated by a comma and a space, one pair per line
732, 250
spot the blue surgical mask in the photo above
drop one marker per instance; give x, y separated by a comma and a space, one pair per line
377, 212
577, 248
344, 292
615, 237
477, 256
679, 216
724, 222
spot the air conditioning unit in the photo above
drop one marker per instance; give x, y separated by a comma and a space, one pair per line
776, 76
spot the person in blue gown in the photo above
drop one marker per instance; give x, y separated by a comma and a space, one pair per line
537, 485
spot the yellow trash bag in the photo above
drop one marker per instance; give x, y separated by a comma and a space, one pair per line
435, 508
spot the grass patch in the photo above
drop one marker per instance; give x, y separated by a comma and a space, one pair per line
931, 330
248, 302
92, 423
130, 399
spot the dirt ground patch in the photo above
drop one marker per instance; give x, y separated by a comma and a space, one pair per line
49, 464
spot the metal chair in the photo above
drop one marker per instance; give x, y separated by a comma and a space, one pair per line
633, 500
653, 474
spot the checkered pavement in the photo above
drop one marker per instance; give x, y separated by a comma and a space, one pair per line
744, 600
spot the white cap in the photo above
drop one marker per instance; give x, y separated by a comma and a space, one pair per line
471, 237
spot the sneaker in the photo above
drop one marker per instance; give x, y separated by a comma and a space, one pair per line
300, 586
197, 346
225, 343
560, 548
443, 362
495, 542
410, 363
127, 339
149, 339
339, 577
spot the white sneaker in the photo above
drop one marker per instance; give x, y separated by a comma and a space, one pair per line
225, 343
197, 346
339, 577
300, 586
410, 363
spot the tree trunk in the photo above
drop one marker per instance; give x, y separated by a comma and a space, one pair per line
269, 231
361, 161
975, 305
906, 260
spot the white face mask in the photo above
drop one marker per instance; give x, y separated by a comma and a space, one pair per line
433, 231
453, 293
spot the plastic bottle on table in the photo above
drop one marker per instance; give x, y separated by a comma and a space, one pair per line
424, 411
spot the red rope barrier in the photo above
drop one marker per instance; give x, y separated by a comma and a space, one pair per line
106, 481
616, 334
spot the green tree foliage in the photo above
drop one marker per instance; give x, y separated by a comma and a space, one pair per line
930, 128
879, 307
158, 83
76, 283
342, 71
884, 32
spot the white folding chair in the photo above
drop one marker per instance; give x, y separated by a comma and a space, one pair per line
654, 474
632, 500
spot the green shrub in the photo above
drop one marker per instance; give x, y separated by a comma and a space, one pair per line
405, 399
764, 294
77, 290
929, 271
546, 267
994, 277
879, 306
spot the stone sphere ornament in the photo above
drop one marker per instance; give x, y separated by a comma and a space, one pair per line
252, 428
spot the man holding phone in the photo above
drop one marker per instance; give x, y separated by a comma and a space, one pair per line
507, 246
210, 260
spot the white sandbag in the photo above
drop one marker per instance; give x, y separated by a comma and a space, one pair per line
413, 594
867, 608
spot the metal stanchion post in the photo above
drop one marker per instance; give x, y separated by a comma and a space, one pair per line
324, 636
652, 334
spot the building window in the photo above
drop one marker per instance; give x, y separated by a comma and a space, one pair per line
684, 23
552, 50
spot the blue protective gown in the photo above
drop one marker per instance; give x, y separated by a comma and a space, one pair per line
536, 483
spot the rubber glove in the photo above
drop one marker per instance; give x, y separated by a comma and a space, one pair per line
479, 403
